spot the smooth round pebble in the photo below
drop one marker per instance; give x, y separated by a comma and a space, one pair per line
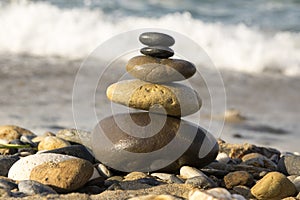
274, 185
157, 51
78, 151
64, 176
162, 176
156, 70
31, 187
223, 158
135, 176
119, 130
190, 172
173, 99
155, 38
21, 169
52, 142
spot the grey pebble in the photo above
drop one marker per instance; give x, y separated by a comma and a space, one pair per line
289, 165
155, 38
78, 151
201, 182
30, 187
6, 162
176, 179
157, 51
149, 181
7, 184
103, 170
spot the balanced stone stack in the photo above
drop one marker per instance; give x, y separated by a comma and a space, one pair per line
154, 91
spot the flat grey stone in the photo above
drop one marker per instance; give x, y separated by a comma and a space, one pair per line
157, 51
30, 187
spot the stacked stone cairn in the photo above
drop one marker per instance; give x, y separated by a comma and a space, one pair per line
154, 91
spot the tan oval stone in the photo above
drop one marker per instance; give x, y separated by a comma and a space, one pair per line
156, 70
176, 99
11, 132
64, 176
52, 142
274, 185
238, 178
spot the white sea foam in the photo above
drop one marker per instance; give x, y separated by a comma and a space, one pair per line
45, 30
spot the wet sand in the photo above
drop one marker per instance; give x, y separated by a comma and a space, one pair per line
36, 93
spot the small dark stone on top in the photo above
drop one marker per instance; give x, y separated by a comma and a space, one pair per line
155, 38
157, 51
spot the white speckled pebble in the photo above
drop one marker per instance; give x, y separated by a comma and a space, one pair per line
22, 168
213, 194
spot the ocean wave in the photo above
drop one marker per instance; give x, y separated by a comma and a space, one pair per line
45, 30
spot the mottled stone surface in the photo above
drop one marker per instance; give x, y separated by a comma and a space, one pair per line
156, 70
64, 176
274, 185
173, 99
11, 132
289, 165
52, 142
238, 178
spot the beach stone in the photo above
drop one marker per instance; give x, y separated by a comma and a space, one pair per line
175, 179
238, 178
6, 161
155, 197
64, 176
239, 150
52, 142
21, 169
162, 176
78, 151
201, 182
173, 99
116, 129
190, 172
135, 176
155, 38
30, 187
76, 136
11, 132
157, 51
92, 189
103, 170
156, 70
296, 182
273, 186
289, 165
27, 139
7, 183
242, 190
258, 160
223, 158
211, 194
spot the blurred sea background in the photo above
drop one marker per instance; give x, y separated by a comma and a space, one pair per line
254, 44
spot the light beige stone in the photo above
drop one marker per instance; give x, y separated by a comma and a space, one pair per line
176, 99
52, 142
64, 176
11, 132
